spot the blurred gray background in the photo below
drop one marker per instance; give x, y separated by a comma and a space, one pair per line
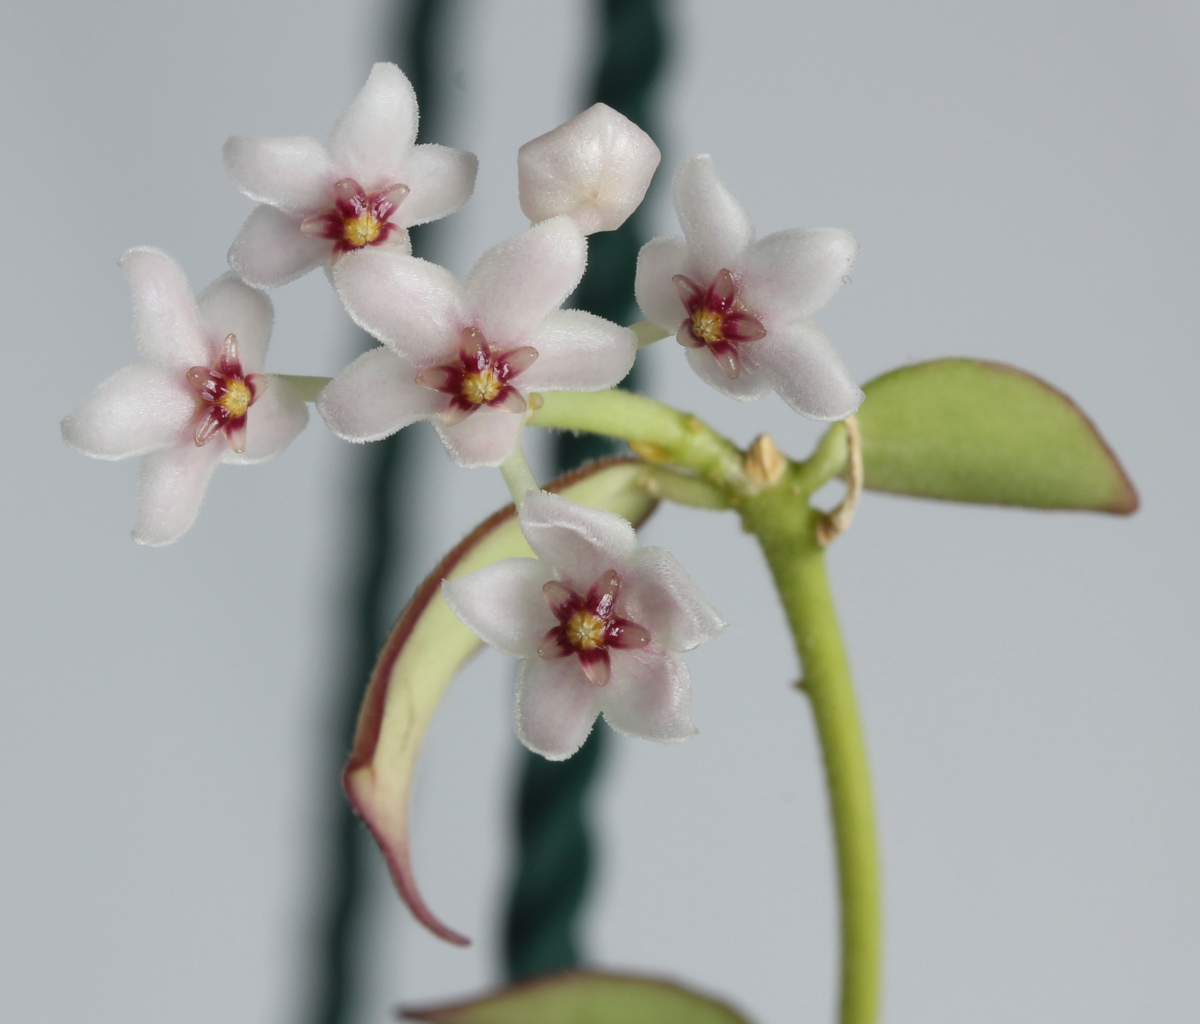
1022, 178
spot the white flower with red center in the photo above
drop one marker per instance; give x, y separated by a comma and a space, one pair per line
598, 623
197, 400
466, 356
742, 306
363, 190
595, 169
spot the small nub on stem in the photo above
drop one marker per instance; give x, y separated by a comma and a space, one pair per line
838, 521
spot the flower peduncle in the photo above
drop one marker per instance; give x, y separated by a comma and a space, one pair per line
655, 431
306, 387
518, 476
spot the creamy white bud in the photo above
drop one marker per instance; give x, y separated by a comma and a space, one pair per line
595, 169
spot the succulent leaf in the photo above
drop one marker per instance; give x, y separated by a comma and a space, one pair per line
581, 997
968, 430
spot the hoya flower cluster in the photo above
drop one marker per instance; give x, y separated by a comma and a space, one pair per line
599, 624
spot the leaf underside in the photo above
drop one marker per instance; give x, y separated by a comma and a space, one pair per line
425, 650
579, 997
968, 430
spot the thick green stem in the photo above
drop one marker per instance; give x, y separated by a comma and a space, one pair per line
786, 529
775, 509
655, 431
683, 488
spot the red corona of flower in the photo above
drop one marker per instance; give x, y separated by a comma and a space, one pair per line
226, 393
358, 218
589, 626
478, 377
717, 320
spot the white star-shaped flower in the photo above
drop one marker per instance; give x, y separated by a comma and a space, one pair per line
365, 189
467, 356
742, 306
198, 399
598, 623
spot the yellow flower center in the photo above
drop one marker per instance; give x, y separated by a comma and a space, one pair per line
237, 398
362, 230
482, 387
706, 325
585, 630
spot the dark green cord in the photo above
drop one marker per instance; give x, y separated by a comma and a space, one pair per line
554, 848
379, 541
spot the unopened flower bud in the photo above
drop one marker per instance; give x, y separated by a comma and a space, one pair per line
595, 169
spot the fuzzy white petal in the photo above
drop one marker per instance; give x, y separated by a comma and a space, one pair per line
271, 250
556, 706
717, 227
802, 365
294, 174
503, 605
750, 386
666, 600
375, 396
410, 304
230, 306
649, 696
595, 169
138, 409
440, 180
273, 422
166, 324
790, 275
371, 139
577, 542
658, 262
171, 486
485, 438
578, 351
516, 283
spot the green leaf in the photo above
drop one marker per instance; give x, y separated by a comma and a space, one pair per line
425, 650
579, 997
966, 430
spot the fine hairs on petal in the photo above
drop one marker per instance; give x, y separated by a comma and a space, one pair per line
441, 180
579, 542
291, 174
555, 708
411, 305
171, 486
650, 697
229, 306
166, 323
374, 134
138, 409
516, 283
270, 250
502, 604
375, 396
717, 227
658, 263
579, 351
